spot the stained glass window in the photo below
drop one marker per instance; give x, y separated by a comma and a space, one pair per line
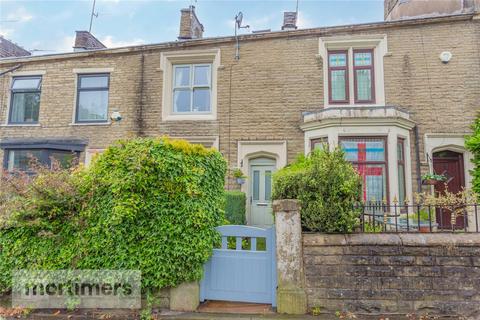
338, 76
368, 156
363, 73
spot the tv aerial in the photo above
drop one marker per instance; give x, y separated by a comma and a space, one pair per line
238, 26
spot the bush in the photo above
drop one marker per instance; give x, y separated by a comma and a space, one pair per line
144, 204
473, 145
235, 207
327, 187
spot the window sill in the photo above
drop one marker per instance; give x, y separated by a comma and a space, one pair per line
91, 124
20, 125
189, 117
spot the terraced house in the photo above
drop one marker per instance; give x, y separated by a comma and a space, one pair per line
398, 96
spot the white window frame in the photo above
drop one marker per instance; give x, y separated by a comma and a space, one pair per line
191, 87
349, 43
191, 57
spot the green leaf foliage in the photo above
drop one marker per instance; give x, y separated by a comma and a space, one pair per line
235, 207
147, 204
473, 145
327, 187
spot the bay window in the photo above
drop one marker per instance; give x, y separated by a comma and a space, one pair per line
25, 100
22, 159
369, 156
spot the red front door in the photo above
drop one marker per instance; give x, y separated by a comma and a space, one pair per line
450, 164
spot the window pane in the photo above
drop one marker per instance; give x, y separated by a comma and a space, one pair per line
256, 185
64, 159
338, 85
26, 83
181, 101
364, 149
401, 184
363, 59
92, 105
25, 107
201, 100
400, 151
375, 184
93, 82
21, 159
182, 76
202, 76
337, 60
364, 84
320, 144
268, 184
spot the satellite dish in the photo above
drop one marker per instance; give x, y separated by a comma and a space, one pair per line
238, 19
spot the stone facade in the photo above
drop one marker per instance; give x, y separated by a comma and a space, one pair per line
261, 98
393, 273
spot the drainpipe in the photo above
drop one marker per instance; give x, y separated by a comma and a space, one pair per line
10, 70
417, 156
140, 123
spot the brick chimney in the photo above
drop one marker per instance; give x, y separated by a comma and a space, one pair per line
10, 49
190, 26
289, 21
84, 40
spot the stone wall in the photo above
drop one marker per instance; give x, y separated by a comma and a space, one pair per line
393, 273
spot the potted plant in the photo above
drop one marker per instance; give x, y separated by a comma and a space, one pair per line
239, 176
433, 179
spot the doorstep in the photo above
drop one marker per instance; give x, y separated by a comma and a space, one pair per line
235, 307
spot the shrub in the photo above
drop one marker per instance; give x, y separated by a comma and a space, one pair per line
473, 145
144, 204
235, 207
327, 187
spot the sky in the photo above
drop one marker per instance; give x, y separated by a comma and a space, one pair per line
49, 26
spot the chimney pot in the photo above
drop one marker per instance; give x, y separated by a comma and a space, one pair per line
289, 21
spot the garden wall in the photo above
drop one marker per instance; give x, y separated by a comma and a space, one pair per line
393, 273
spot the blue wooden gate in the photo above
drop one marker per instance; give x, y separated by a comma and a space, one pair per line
244, 275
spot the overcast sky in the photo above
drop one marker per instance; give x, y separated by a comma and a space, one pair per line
51, 24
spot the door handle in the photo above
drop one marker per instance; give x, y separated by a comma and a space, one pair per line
262, 204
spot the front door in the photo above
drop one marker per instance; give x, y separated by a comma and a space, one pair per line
261, 170
449, 164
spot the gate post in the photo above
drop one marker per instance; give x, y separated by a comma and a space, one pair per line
291, 296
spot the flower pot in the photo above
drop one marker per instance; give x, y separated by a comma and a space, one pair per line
430, 182
424, 229
240, 180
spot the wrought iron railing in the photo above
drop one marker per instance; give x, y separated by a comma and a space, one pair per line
379, 217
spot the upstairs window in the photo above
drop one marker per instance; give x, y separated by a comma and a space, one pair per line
92, 98
338, 76
192, 88
363, 76
25, 100
351, 73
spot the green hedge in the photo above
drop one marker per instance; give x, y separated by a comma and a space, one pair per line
235, 207
327, 187
147, 204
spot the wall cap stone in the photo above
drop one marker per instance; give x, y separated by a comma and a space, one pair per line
391, 239
286, 205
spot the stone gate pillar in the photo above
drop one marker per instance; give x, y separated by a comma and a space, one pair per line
291, 296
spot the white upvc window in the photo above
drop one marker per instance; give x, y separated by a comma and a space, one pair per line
190, 84
192, 88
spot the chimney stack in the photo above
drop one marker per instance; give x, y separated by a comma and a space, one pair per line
84, 41
289, 21
190, 26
